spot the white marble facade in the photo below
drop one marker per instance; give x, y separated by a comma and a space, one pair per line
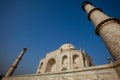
66, 58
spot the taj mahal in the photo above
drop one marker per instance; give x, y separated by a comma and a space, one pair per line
68, 63
66, 58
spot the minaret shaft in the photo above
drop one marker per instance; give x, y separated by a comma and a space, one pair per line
16, 62
95, 14
107, 28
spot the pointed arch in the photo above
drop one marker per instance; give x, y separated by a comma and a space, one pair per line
76, 68
75, 59
64, 69
90, 64
39, 72
84, 60
64, 60
41, 65
50, 65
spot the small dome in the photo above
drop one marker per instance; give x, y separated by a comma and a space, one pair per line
67, 46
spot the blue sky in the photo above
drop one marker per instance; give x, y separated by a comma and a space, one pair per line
44, 25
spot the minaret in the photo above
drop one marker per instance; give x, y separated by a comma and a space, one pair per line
106, 27
14, 65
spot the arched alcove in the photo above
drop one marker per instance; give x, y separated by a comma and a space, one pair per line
39, 72
90, 64
64, 60
76, 68
64, 69
50, 65
75, 59
84, 61
41, 65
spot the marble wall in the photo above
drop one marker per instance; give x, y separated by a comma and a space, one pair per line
103, 72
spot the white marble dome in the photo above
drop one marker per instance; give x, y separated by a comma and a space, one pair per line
67, 46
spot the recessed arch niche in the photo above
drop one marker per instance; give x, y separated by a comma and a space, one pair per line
50, 65
41, 65
75, 59
64, 69
64, 60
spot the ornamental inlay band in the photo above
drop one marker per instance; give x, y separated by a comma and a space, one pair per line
101, 25
93, 11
